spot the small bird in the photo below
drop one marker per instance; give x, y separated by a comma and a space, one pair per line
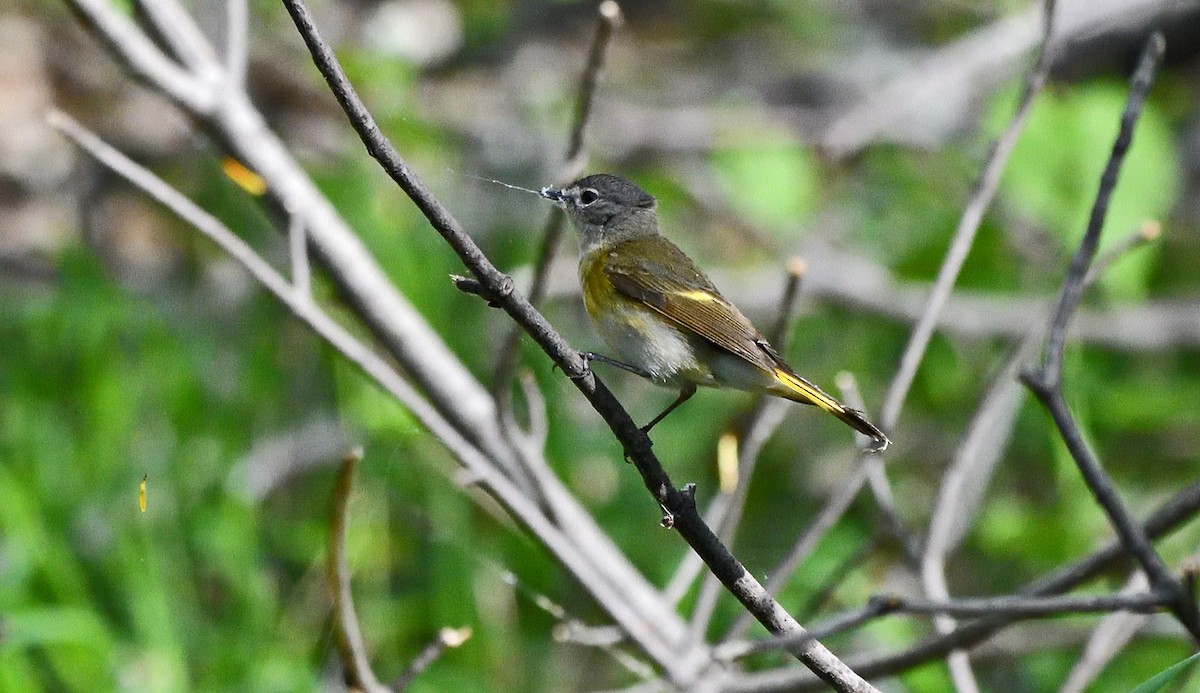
664, 318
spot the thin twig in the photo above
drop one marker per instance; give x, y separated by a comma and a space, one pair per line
1072, 289
1010, 606
964, 235
1167, 518
959, 493
1020, 606
347, 633
608, 21
678, 505
447, 638
237, 44
1046, 382
877, 480
1149, 232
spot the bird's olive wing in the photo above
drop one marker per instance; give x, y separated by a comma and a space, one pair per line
659, 275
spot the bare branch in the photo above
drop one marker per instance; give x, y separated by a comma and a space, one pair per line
961, 489
877, 480
914, 351
627, 604
607, 23
1047, 384
576, 541
964, 235
447, 638
237, 43
1168, 517
1028, 606
1011, 606
681, 506
141, 57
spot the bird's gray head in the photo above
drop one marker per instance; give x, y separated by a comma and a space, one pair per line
604, 207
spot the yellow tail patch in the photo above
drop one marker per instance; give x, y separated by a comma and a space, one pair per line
809, 391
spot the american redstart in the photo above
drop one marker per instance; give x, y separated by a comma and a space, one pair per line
665, 319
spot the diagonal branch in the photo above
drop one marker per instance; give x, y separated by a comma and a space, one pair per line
643, 620
964, 236
678, 505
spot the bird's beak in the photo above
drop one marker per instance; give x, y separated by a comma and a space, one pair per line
554, 194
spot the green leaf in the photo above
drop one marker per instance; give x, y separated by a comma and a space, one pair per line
1160, 681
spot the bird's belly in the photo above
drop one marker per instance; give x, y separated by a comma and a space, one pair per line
642, 339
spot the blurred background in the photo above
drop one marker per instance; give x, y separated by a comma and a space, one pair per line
849, 134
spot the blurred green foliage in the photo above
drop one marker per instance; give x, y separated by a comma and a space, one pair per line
1054, 173
103, 381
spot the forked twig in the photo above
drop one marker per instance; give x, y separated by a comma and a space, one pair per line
1046, 381
629, 611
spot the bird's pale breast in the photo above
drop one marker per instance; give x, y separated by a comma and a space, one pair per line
640, 336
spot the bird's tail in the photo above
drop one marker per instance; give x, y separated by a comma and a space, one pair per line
800, 390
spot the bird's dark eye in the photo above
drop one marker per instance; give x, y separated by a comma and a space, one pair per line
588, 196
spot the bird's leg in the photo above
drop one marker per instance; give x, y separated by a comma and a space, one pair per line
589, 356
684, 395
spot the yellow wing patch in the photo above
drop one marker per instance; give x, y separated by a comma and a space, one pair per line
698, 295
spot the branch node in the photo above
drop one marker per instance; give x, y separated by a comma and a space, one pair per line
470, 285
